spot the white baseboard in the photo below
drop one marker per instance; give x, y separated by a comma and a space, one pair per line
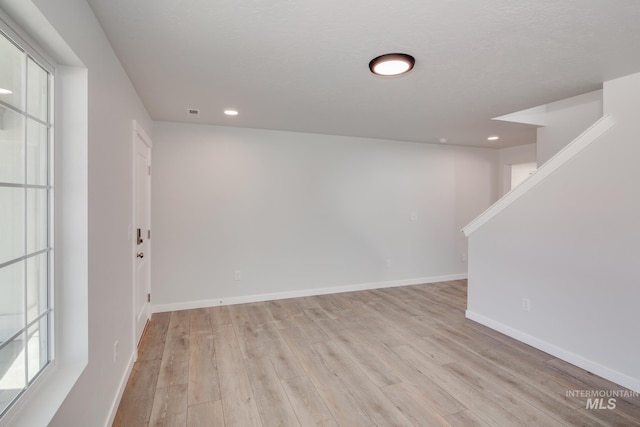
188, 305
559, 352
121, 387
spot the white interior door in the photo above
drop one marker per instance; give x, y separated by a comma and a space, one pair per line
142, 232
520, 172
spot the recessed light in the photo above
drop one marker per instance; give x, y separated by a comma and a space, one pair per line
392, 64
4, 91
493, 138
231, 112
443, 140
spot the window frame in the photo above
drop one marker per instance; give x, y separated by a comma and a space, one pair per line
69, 340
31, 54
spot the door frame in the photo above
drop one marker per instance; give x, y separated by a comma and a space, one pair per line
138, 132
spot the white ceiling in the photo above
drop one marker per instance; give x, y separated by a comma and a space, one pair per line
302, 65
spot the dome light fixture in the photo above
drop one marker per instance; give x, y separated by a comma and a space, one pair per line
231, 112
493, 138
392, 64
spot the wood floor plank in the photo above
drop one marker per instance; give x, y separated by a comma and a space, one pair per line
627, 408
174, 368
247, 334
466, 419
312, 332
170, 407
368, 360
307, 403
335, 304
316, 313
137, 399
444, 402
377, 325
258, 314
481, 404
306, 303
325, 308
271, 399
606, 417
381, 410
278, 311
398, 329
220, 315
290, 307
397, 356
282, 358
518, 383
338, 398
152, 343
238, 402
473, 329
204, 385
199, 320
517, 405
264, 379
414, 406
530, 368
205, 414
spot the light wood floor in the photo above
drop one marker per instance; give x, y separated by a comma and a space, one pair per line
401, 356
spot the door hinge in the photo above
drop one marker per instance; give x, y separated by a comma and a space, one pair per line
148, 297
148, 234
149, 170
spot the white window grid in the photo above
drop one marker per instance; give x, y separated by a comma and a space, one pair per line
46, 314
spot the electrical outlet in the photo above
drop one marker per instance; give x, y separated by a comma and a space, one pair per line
526, 304
238, 275
463, 257
388, 262
115, 352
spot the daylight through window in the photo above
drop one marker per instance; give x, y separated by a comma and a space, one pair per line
25, 220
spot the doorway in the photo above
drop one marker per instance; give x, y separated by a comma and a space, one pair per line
141, 231
516, 174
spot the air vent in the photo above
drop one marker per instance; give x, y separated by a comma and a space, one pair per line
194, 111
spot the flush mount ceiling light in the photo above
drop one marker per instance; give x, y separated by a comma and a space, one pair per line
231, 112
392, 64
493, 138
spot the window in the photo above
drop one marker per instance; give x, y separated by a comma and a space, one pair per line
25, 220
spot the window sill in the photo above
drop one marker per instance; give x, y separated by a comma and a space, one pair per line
47, 395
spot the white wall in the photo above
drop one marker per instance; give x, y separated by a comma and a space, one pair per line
300, 212
512, 156
112, 106
570, 245
564, 120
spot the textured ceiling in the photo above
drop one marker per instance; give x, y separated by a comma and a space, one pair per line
303, 65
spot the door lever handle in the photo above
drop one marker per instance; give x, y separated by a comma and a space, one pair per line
140, 255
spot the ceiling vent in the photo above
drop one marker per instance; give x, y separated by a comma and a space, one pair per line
194, 111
